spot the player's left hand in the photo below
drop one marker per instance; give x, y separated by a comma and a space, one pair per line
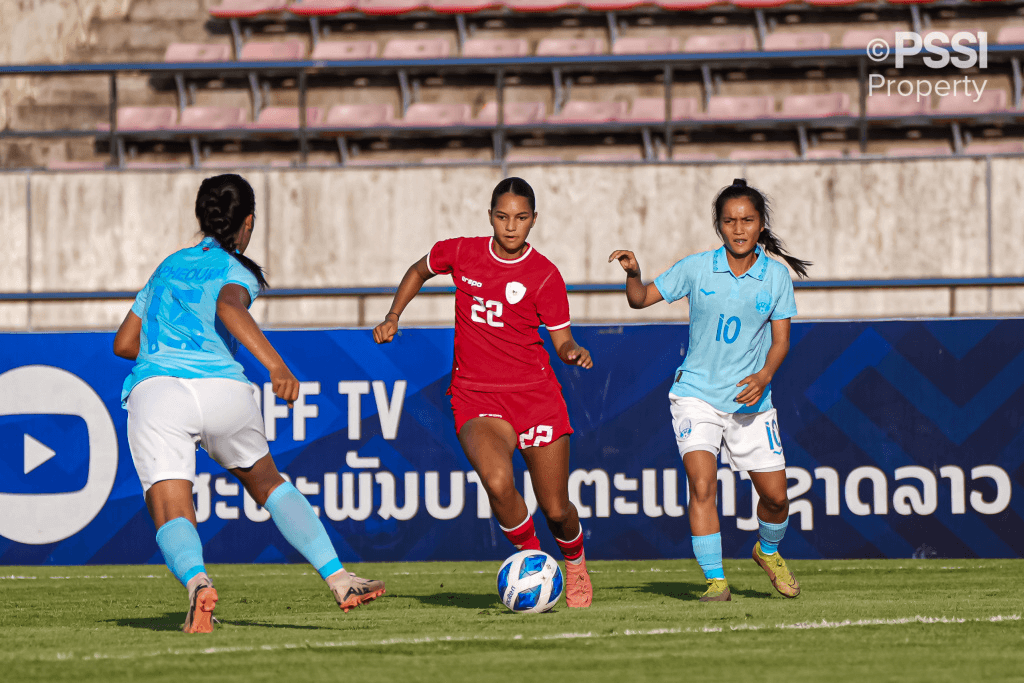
578, 356
756, 383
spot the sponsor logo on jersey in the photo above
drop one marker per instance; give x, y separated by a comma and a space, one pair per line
763, 301
514, 292
472, 283
490, 415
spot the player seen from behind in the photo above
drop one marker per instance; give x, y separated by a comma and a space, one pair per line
741, 303
187, 388
504, 394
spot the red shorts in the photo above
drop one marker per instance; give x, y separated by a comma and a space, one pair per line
539, 416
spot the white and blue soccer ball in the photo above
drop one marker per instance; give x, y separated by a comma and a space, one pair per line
530, 581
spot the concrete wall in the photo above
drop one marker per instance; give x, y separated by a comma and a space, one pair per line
365, 226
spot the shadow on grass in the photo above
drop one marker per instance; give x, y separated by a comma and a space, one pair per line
465, 600
689, 591
172, 621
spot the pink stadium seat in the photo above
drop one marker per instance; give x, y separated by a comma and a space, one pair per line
576, 47
613, 5
860, 38
437, 48
590, 112
824, 154
611, 157
538, 5
721, 42
197, 52
995, 148
761, 154
437, 115
462, 6
1010, 35
265, 51
815, 106
683, 5
144, 118
321, 8
337, 50
359, 116
516, 113
240, 9
803, 40
496, 47
907, 151
890, 106
740, 108
758, 4
990, 101
682, 155
652, 45
652, 109
285, 117
390, 7
831, 3
213, 118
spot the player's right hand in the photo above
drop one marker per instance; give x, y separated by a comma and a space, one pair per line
285, 386
627, 260
385, 332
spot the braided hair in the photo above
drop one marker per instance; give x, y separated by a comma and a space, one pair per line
767, 239
222, 205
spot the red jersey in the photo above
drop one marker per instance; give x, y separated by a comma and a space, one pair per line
499, 305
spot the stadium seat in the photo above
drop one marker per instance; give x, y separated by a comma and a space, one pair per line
331, 50
516, 113
908, 151
359, 116
496, 47
995, 148
285, 117
860, 38
684, 5
803, 40
197, 52
576, 47
213, 118
758, 4
240, 9
824, 154
437, 115
892, 106
650, 45
386, 8
815, 106
612, 156
761, 154
462, 6
740, 108
613, 5
990, 101
538, 5
1010, 35
272, 51
652, 109
590, 112
721, 42
144, 118
321, 8
831, 3
400, 48
682, 155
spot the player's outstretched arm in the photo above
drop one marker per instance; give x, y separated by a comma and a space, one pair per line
568, 350
756, 383
233, 311
408, 288
126, 341
637, 294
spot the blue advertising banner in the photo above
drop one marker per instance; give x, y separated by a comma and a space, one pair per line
902, 439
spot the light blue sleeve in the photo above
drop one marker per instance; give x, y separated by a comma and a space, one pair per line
676, 282
142, 299
785, 303
240, 275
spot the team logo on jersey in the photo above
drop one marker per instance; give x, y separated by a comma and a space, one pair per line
685, 427
514, 292
763, 301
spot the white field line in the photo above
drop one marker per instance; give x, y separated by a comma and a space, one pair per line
431, 640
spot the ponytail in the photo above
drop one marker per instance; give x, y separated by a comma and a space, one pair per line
767, 239
222, 205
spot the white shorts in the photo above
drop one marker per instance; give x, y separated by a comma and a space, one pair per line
748, 442
168, 416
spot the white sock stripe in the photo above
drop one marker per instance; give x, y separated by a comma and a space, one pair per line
578, 536
518, 526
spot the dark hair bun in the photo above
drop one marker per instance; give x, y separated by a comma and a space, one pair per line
739, 182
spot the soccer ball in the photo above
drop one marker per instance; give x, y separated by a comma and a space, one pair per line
530, 581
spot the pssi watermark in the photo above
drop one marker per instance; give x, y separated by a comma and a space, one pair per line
963, 49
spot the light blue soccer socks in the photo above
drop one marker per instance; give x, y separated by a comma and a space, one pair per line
300, 526
771, 535
182, 549
708, 551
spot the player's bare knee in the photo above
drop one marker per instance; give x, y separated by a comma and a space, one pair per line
703, 492
775, 505
558, 512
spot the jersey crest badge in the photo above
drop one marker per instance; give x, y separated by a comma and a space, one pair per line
763, 301
514, 292
685, 428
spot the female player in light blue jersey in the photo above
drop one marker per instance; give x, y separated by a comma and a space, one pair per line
186, 388
741, 303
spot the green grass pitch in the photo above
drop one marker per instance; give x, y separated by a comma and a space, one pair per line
864, 621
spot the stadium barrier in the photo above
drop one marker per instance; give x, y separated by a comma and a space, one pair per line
902, 438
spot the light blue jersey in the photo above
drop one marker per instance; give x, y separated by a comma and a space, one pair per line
730, 329
181, 334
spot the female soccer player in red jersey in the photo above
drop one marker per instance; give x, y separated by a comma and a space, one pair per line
504, 393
